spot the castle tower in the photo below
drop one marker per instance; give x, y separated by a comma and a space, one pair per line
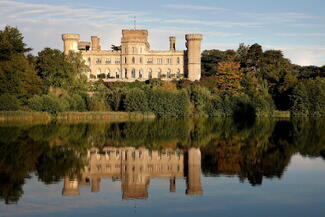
70, 42
193, 180
172, 43
95, 43
70, 187
134, 45
193, 44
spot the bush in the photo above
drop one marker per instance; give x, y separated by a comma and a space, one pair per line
46, 103
9, 103
97, 103
200, 97
136, 100
165, 103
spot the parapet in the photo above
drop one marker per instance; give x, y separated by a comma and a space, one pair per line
189, 37
134, 35
69, 36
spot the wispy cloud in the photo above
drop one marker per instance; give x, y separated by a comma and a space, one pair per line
312, 34
194, 7
287, 17
213, 23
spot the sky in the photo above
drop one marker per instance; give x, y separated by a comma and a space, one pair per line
297, 27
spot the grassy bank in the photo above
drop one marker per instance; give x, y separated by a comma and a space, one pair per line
13, 116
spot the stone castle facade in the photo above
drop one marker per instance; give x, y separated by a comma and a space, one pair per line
134, 60
134, 168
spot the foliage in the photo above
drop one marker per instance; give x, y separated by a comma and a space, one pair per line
136, 100
308, 98
46, 103
9, 103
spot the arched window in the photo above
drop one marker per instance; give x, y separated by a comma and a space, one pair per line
178, 73
108, 73
117, 74
140, 73
133, 73
133, 60
125, 73
125, 60
149, 73
169, 71
178, 60
159, 73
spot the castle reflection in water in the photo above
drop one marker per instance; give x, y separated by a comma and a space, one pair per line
135, 167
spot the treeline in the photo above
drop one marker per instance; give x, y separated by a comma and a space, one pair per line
252, 71
248, 82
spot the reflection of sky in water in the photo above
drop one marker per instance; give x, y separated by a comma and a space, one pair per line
300, 192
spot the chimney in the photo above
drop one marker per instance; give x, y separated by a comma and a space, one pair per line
172, 43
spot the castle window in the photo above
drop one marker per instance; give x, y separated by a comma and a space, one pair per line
159, 73
117, 60
98, 61
133, 73
126, 73
169, 73
150, 61
178, 60
133, 60
108, 73
141, 60
159, 61
149, 73
108, 61
178, 73
140, 73
117, 74
125, 60
169, 61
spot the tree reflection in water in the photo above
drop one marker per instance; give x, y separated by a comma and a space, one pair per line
135, 152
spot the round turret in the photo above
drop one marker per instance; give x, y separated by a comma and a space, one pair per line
71, 42
193, 44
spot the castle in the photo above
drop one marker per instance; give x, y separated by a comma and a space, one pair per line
134, 60
135, 167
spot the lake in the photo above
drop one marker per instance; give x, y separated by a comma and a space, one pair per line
164, 167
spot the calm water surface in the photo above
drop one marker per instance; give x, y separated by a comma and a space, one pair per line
171, 167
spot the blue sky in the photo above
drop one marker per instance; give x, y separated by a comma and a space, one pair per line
295, 26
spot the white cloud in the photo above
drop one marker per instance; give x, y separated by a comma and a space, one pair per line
194, 7
213, 23
312, 34
281, 17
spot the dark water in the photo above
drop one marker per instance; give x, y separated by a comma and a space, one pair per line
204, 167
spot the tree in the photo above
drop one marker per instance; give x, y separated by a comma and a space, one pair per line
11, 43
210, 59
229, 78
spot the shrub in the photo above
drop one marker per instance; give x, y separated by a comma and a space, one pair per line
200, 97
165, 103
8, 103
46, 103
97, 103
136, 100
